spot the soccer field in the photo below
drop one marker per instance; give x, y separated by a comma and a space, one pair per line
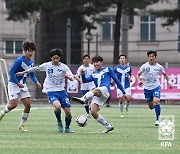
135, 133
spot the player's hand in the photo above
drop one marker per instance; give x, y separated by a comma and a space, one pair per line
20, 73
140, 83
82, 71
39, 85
124, 97
20, 85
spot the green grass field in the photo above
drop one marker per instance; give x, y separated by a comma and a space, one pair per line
134, 133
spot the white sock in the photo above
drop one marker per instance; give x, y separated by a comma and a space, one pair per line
88, 95
24, 118
102, 121
121, 106
5, 110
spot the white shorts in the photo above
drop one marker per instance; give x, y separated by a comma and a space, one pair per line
120, 94
101, 100
15, 92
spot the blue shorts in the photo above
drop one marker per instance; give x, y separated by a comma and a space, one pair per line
150, 94
60, 96
83, 92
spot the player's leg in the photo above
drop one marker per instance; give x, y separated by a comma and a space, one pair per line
121, 102
13, 93
11, 105
68, 119
86, 105
87, 96
53, 99
65, 103
97, 102
128, 99
157, 107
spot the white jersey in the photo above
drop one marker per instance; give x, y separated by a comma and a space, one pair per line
150, 75
88, 71
54, 80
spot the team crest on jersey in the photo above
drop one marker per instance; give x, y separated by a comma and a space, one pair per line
147, 69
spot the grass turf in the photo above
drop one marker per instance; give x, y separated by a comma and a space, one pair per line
135, 133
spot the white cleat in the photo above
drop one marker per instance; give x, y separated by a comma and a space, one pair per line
110, 128
156, 123
21, 127
77, 99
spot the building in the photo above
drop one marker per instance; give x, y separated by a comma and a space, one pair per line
146, 34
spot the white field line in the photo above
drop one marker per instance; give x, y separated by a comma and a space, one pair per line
33, 108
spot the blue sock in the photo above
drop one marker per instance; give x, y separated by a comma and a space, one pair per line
68, 121
157, 110
87, 108
58, 115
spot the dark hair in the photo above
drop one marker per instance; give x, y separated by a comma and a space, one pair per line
56, 51
122, 55
86, 55
97, 58
152, 52
29, 46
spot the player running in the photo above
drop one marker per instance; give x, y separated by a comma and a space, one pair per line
17, 88
123, 72
53, 86
102, 78
85, 87
149, 73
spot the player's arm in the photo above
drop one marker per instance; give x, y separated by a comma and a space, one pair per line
119, 85
130, 75
88, 79
68, 74
77, 76
33, 69
139, 74
34, 79
167, 78
12, 73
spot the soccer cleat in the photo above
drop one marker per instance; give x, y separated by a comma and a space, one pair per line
122, 115
1, 116
108, 105
88, 115
69, 130
60, 127
21, 127
157, 123
77, 99
110, 128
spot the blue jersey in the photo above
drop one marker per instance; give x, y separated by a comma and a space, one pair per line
102, 78
123, 74
21, 64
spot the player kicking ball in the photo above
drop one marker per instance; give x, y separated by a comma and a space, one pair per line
148, 77
53, 86
102, 78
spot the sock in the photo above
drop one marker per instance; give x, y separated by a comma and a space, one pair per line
121, 106
24, 118
157, 110
102, 121
87, 108
5, 110
88, 95
68, 121
127, 104
58, 115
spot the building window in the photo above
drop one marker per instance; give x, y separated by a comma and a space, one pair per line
13, 47
148, 28
9, 4
108, 27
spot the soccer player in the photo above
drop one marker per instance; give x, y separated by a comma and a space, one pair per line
123, 72
85, 87
149, 73
17, 88
53, 86
102, 78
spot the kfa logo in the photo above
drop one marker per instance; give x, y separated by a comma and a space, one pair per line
166, 130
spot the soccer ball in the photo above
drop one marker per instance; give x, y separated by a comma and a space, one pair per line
81, 120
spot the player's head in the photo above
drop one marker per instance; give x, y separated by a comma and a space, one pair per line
122, 59
86, 59
152, 56
29, 48
152, 52
98, 62
55, 55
